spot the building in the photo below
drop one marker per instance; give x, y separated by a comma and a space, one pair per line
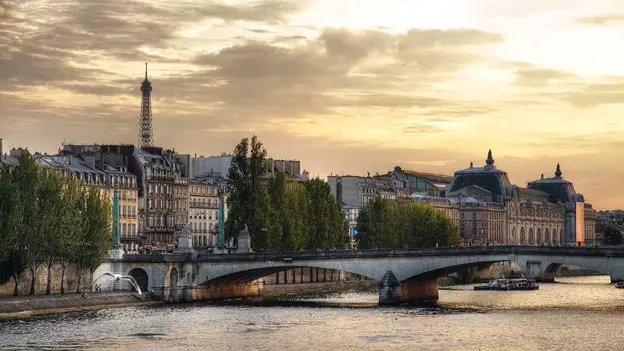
219, 166
109, 180
430, 184
356, 191
203, 207
162, 186
493, 211
353, 192
351, 214
163, 191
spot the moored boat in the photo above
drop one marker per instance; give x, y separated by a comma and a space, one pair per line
509, 284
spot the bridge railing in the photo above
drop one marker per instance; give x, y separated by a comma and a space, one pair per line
380, 253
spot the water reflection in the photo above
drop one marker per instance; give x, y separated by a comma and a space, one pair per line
556, 317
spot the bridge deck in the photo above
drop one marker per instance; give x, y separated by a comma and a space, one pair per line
383, 253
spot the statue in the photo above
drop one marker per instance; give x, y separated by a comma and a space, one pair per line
244, 240
185, 242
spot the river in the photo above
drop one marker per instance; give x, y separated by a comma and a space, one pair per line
584, 313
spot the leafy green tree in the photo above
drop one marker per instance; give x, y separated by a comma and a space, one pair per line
50, 216
96, 237
248, 196
398, 224
10, 224
25, 246
327, 227
611, 235
70, 226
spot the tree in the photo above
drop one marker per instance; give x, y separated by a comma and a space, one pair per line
50, 216
386, 223
10, 222
248, 197
611, 235
70, 226
24, 247
96, 235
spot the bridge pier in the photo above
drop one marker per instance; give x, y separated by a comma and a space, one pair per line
392, 292
540, 271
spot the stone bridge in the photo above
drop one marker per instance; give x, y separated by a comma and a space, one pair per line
405, 275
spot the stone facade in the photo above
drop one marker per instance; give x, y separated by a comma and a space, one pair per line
204, 212
493, 211
161, 183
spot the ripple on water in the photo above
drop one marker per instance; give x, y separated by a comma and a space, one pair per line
552, 318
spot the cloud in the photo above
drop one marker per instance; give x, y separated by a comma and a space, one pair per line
601, 20
542, 76
609, 91
428, 38
421, 128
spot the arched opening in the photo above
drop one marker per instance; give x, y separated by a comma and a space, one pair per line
523, 237
562, 239
140, 276
513, 240
531, 237
173, 284
547, 238
539, 238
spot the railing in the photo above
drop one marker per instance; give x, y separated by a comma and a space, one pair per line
384, 253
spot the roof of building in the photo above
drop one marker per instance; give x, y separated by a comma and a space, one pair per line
70, 163
557, 188
487, 177
432, 177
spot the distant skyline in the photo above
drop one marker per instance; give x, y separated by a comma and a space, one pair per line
343, 86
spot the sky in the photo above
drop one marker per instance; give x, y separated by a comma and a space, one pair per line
344, 86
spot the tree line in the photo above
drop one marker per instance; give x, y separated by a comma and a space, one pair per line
48, 218
280, 214
384, 223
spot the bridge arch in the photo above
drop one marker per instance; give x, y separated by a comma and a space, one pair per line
141, 277
257, 273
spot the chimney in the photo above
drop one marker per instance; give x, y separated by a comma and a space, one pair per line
1, 149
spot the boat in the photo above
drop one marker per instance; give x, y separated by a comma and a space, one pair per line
509, 284
619, 285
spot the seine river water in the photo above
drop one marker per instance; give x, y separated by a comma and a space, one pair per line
577, 314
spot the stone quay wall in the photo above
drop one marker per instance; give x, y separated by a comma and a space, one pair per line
71, 280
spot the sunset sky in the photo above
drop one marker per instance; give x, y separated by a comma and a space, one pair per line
345, 86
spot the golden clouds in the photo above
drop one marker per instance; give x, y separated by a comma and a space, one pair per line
520, 77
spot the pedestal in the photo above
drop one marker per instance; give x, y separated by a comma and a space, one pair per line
115, 254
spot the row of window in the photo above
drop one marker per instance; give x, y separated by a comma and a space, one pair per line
204, 214
127, 211
202, 227
128, 229
203, 190
166, 205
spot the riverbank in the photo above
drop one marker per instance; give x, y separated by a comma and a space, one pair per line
25, 306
